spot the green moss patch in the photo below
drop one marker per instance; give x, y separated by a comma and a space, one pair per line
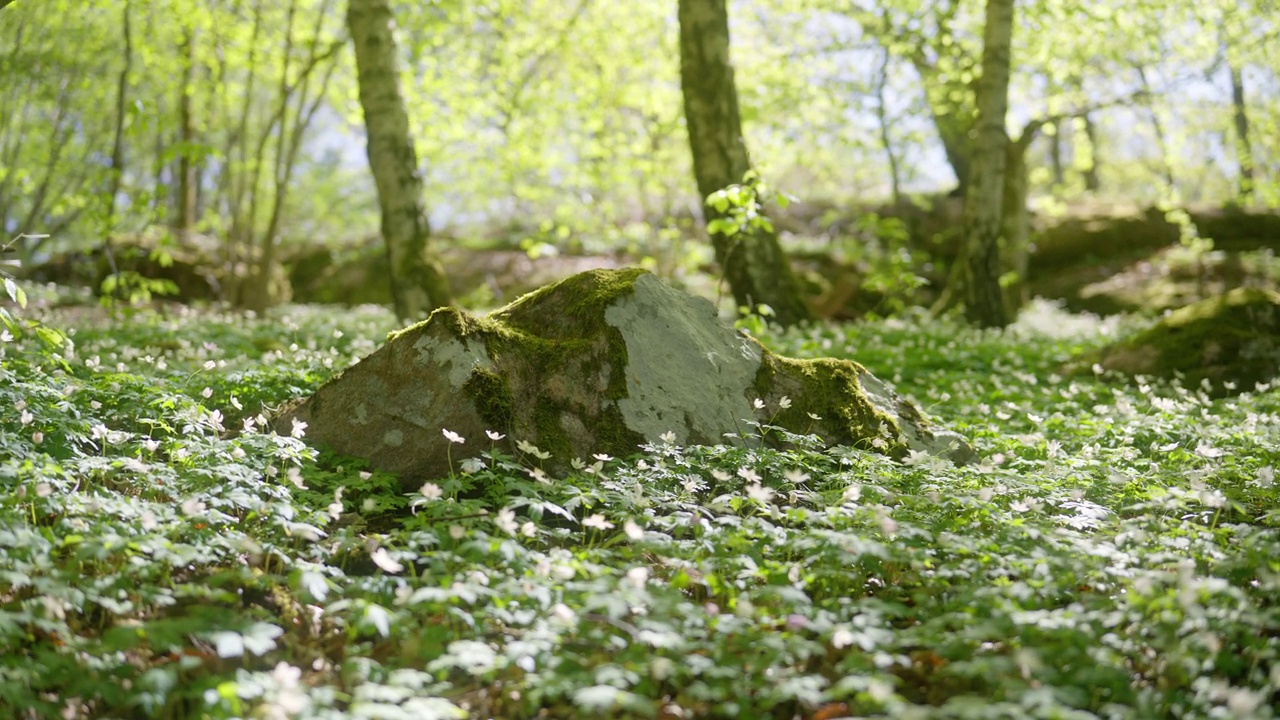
1232, 341
832, 391
492, 397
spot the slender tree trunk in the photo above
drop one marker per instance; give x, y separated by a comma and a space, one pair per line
116, 178
186, 200
1092, 181
1166, 165
984, 201
945, 93
117, 142
1244, 149
287, 149
1088, 170
1055, 158
60, 133
10, 145
159, 199
418, 283
256, 293
953, 131
238, 171
882, 116
752, 261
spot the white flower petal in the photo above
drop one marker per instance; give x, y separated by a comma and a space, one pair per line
385, 561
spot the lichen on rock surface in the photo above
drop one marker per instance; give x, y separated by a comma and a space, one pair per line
601, 362
1231, 341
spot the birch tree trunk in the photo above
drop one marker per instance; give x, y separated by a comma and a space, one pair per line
418, 284
984, 201
752, 261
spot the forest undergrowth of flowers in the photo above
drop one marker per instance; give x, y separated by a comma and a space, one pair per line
1115, 553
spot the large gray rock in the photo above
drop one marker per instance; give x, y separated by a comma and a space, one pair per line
598, 363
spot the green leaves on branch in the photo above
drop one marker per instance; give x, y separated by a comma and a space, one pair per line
739, 208
10, 325
134, 288
11, 287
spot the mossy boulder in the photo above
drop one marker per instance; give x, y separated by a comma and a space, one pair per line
1232, 341
600, 362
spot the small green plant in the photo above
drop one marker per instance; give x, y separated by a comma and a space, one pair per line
12, 325
739, 208
131, 287
739, 212
881, 246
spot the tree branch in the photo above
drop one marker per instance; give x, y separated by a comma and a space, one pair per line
531, 66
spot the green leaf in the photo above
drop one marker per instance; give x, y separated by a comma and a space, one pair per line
162, 257
16, 293
50, 336
723, 226
431, 708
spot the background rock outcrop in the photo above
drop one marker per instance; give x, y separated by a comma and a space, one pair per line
1232, 341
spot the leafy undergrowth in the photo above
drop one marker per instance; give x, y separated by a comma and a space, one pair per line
1116, 554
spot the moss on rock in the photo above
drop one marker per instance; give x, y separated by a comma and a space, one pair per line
831, 390
1232, 341
492, 397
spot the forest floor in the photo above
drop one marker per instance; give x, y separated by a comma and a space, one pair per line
1115, 553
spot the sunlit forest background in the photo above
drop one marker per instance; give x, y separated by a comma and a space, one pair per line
233, 129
